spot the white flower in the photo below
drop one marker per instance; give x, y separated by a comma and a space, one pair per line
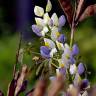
48, 6
46, 18
49, 43
73, 69
39, 21
55, 19
45, 29
67, 50
59, 45
65, 60
54, 33
39, 11
53, 51
61, 64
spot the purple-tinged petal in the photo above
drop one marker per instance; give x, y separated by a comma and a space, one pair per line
75, 50
81, 69
51, 22
61, 38
62, 20
37, 30
62, 71
77, 80
45, 51
72, 60
84, 84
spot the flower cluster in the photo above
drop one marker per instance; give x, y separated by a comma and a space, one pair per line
55, 47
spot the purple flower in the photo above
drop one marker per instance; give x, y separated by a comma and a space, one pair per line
61, 38
62, 20
72, 60
84, 84
37, 30
75, 50
45, 51
81, 68
62, 71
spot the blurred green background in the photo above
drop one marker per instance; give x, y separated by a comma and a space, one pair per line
85, 37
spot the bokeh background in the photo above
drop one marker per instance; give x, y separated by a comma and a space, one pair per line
17, 16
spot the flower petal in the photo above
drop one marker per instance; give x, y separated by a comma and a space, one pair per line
37, 30
45, 51
62, 20
65, 60
73, 69
60, 45
67, 50
48, 6
53, 51
55, 19
61, 65
61, 38
39, 21
50, 23
39, 11
44, 31
75, 50
81, 68
77, 80
84, 84
54, 34
46, 18
49, 43
62, 70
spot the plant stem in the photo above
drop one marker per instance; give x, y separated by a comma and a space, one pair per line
72, 35
73, 26
17, 53
54, 65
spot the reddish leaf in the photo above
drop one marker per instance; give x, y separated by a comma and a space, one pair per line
90, 10
82, 5
79, 8
11, 88
67, 8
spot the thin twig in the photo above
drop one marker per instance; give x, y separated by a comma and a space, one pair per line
17, 53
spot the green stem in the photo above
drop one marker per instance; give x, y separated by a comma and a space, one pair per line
72, 36
36, 53
54, 65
